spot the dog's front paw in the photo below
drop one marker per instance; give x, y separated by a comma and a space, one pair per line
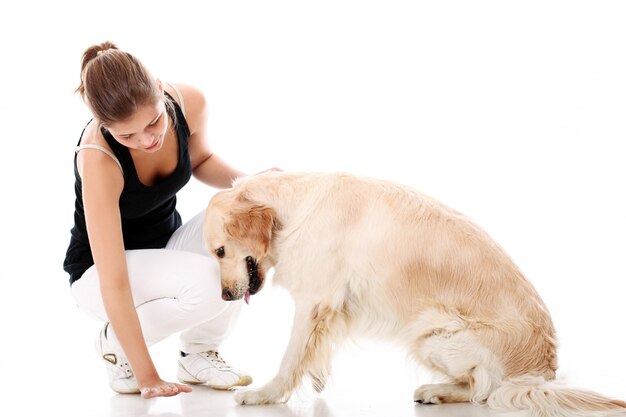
258, 397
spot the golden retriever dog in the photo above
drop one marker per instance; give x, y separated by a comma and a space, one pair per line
369, 257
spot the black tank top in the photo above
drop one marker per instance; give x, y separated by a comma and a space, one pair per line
149, 215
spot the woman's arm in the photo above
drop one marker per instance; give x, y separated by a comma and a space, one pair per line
102, 184
208, 167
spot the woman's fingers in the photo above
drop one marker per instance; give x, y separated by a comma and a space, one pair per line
184, 388
164, 390
273, 169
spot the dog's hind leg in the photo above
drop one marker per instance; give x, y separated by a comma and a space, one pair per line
448, 346
309, 351
472, 369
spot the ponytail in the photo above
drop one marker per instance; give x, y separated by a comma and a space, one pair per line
90, 54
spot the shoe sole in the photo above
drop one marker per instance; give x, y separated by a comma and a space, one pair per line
127, 391
246, 380
186, 379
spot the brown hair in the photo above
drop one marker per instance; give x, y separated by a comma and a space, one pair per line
114, 83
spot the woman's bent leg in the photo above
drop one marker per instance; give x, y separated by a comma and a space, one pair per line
172, 291
176, 289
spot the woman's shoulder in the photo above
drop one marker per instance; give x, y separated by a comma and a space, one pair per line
93, 136
194, 100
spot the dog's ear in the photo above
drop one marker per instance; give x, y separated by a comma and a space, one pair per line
254, 227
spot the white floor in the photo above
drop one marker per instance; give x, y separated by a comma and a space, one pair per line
205, 402
64, 377
372, 391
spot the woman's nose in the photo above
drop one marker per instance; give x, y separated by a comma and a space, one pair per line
147, 139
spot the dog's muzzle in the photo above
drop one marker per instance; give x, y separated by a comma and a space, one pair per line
254, 282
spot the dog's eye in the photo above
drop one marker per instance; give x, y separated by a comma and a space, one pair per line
220, 252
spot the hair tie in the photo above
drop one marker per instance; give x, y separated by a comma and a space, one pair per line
102, 51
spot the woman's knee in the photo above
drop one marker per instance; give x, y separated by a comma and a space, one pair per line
190, 237
200, 287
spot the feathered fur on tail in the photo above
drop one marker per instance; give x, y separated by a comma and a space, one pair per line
551, 399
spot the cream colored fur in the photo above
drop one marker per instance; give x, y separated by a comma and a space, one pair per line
363, 256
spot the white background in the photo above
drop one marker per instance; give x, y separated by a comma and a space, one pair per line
511, 112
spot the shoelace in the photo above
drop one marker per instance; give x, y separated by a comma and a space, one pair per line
216, 359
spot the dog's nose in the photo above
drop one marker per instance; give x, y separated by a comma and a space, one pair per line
227, 295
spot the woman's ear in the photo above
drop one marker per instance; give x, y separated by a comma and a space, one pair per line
253, 227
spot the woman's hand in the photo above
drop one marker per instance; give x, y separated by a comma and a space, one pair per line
161, 388
274, 169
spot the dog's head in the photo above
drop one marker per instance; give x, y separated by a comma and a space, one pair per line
238, 233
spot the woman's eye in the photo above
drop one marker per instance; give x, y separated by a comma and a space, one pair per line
155, 122
220, 252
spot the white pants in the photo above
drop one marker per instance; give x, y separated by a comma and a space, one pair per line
176, 289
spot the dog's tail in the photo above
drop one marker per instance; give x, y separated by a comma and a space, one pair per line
552, 399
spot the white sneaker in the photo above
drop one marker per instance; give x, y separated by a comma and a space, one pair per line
121, 377
209, 368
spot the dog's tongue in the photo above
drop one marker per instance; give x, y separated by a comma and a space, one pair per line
247, 297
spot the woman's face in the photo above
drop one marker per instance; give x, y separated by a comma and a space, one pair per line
144, 130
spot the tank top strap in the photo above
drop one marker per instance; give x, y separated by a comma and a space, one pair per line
103, 149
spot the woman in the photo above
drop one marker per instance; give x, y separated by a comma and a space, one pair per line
131, 262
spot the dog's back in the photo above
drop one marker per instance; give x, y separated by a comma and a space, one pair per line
411, 255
